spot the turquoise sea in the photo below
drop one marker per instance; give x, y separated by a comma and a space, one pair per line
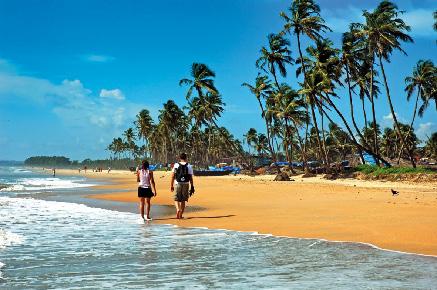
62, 245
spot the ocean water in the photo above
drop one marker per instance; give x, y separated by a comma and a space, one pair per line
59, 245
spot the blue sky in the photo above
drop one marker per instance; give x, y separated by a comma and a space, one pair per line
73, 74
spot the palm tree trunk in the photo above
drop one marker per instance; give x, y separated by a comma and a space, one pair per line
354, 140
375, 132
364, 114
411, 124
272, 151
304, 158
363, 107
208, 149
237, 150
276, 80
285, 145
287, 140
325, 153
352, 108
395, 119
319, 142
305, 77
289, 144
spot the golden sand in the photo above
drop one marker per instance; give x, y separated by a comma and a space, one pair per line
340, 210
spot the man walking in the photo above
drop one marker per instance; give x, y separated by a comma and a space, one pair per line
182, 177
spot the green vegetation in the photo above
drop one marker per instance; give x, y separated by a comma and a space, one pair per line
192, 129
48, 161
375, 170
299, 121
64, 162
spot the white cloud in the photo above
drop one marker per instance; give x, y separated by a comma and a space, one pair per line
6, 66
112, 94
97, 58
389, 117
70, 100
387, 120
340, 19
420, 20
424, 130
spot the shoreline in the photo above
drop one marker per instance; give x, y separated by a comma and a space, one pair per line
352, 210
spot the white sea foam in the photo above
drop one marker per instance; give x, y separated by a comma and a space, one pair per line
8, 238
1, 266
21, 170
32, 184
54, 210
68, 242
13, 187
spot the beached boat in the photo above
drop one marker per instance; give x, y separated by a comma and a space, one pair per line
211, 172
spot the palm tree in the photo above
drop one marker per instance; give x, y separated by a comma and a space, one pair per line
435, 20
289, 107
350, 63
356, 72
430, 149
202, 79
423, 80
261, 90
130, 141
261, 144
208, 105
212, 108
338, 142
316, 84
410, 139
388, 143
275, 57
304, 19
323, 72
171, 117
384, 32
251, 137
363, 77
144, 125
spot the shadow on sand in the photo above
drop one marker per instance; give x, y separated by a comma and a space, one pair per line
197, 217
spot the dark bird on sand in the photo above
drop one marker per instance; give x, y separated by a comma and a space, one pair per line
394, 192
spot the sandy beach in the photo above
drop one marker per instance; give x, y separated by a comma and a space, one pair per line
340, 210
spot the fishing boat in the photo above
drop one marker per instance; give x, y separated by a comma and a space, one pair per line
211, 172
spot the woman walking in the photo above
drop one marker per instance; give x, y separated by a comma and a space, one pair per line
145, 193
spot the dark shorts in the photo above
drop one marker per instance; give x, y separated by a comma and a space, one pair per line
181, 192
145, 192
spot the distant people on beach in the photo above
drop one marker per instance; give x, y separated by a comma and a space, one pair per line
145, 183
54, 172
181, 178
84, 168
109, 169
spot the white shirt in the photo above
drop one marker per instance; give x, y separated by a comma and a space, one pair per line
144, 178
175, 167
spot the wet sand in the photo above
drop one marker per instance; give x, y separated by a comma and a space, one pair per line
340, 210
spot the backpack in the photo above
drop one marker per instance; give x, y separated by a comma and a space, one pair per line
182, 173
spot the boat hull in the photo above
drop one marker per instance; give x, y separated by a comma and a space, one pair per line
211, 172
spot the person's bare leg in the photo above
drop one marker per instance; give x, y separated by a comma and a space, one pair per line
148, 208
182, 209
178, 209
142, 207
